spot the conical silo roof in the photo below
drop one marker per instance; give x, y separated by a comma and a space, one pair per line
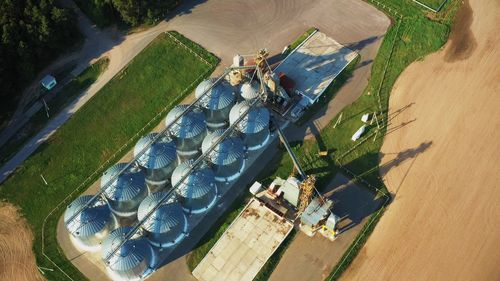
168, 217
132, 259
256, 120
227, 151
189, 125
90, 220
127, 186
218, 97
158, 155
198, 183
249, 90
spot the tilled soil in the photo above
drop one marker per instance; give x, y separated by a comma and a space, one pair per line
444, 223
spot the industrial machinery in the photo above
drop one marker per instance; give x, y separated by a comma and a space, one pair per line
315, 211
307, 184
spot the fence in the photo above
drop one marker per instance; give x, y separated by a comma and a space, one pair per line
429, 7
354, 246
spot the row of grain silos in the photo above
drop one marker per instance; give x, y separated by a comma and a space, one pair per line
132, 192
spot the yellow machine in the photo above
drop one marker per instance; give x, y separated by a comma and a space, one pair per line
306, 192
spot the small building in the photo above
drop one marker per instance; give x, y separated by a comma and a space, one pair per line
48, 82
315, 215
329, 229
289, 189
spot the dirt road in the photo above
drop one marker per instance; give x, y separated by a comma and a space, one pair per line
444, 223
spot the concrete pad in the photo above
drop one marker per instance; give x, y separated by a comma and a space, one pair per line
241, 259
315, 64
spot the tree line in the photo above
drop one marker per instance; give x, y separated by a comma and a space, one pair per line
33, 32
131, 12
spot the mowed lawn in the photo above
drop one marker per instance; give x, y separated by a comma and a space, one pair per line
156, 78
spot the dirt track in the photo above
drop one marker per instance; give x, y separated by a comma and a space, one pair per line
444, 223
16, 257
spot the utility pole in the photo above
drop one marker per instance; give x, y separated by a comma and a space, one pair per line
46, 107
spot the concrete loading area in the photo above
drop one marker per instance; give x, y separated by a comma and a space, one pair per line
245, 246
313, 66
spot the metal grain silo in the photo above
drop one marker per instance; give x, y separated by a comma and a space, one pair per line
250, 90
127, 190
254, 127
167, 225
188, 132
198, 191
132, 261
91, 225
227, 157
216, 103
158, 160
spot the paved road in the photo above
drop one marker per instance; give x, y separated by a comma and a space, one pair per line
96, 43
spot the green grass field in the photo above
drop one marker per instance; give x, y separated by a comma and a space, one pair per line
65, 97
158, 78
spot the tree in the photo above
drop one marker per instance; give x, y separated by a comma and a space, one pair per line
32, 34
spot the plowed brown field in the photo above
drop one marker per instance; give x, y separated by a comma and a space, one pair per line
444, 223
16, 240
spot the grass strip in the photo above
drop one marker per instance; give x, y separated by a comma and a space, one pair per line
155, 80
300, 39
